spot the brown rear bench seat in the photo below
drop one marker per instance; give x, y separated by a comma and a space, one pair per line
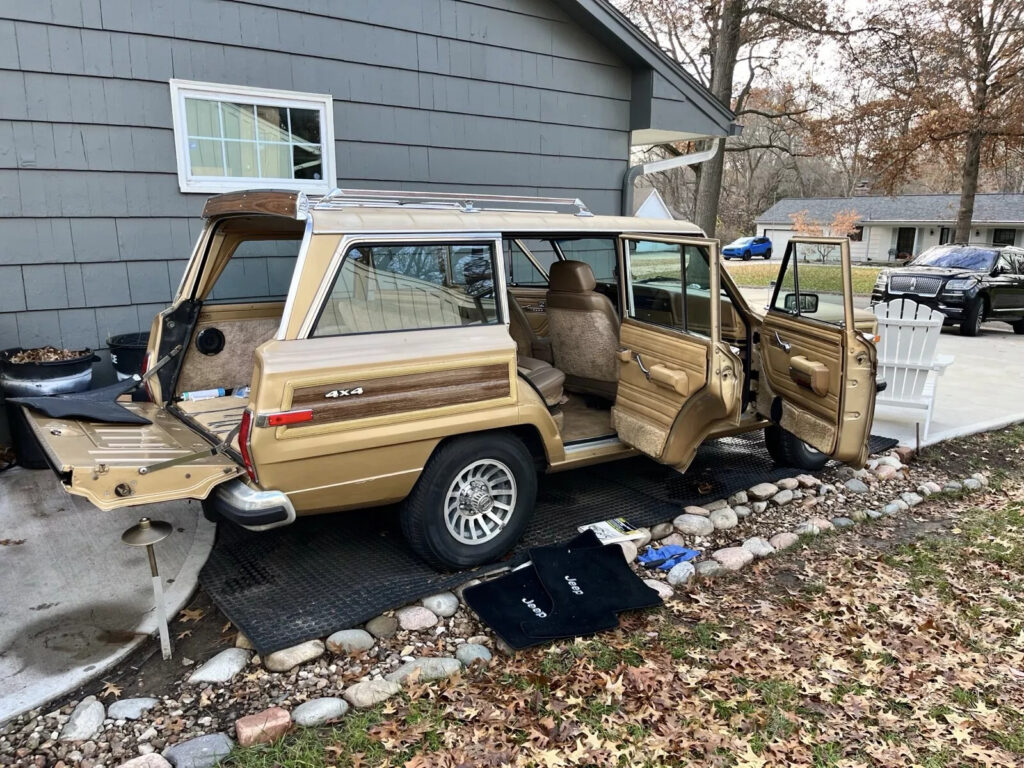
544, 378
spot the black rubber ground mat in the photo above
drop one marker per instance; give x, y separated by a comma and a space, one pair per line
333, 572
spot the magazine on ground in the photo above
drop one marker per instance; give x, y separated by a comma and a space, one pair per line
613, 531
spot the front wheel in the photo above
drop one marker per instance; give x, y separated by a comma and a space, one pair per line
768, 254
746, 255
472, 502
971, 326
790, 451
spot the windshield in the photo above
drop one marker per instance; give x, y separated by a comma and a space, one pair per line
740, 241
958, 256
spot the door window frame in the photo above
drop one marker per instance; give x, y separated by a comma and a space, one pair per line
349, 242
844, 265
714, 277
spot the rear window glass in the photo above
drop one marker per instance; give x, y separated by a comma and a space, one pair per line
598, 252
259, 270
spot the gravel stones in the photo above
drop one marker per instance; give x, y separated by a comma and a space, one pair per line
891, 509
953, 486
783, 497
675, 540
286, 658
807, 529
429, 667
733, 558
741, 511
349, 641
858, 516
221, 668
629, 550
885, 472
788, 483
694, 525
695, 510
680, 574
264, 727
981, 478
890, 461
84, 721
146, 761
370, 693
928, 488
855, 485
758, 507
842, 522
715, 505
763, 491
415, 617
912, 499
131, 709
644, 540
873, 514
443, 604
783, 540
758, 546
382, 627
200, 752
660, 531
708, 568
740, 497
664, 590
807, 481
723, 519
821, 523
972, 484
319, 711
470, 653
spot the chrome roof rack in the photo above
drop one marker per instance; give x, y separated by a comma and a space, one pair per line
375, 198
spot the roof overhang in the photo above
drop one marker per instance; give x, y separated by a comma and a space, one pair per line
667, 103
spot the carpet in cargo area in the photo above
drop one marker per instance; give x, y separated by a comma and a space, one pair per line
332, 572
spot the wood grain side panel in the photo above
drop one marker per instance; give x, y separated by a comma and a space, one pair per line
273, 202
404, 393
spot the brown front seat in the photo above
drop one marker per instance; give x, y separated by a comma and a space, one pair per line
584, 330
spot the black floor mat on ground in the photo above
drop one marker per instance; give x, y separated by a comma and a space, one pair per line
332, 572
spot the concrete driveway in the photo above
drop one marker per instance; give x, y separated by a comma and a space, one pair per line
74, 600
982, 390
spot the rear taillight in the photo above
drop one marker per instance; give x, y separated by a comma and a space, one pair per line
244, 438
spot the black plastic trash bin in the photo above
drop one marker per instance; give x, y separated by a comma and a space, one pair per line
39, 379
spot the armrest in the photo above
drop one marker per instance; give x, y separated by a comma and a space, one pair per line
942, 362
673, 378
809, 373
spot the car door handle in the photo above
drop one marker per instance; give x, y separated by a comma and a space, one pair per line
535, 307
785, 346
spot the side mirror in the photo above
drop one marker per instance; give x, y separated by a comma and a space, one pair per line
808, 303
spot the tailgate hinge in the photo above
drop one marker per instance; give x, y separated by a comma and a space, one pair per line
220, 447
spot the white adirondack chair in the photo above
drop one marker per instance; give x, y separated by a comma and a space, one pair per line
909, 334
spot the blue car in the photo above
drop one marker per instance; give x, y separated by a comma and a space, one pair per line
747, 247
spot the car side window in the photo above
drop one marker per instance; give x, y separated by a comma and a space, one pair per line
1006, 264
410, 287
670, 285
811, 283
519, 270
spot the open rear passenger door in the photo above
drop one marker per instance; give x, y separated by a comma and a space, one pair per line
820, 370
677, 380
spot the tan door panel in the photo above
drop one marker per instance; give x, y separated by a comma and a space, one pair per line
532, 300
820, 376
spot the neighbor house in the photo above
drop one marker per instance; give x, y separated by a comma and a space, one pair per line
891, 227
118, 118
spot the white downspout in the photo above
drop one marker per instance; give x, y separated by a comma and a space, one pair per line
645, 169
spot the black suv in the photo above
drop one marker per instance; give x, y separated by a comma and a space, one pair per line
966, 283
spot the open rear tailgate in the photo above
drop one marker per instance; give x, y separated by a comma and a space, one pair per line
114, 465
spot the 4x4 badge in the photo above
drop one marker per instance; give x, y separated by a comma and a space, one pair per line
344, 392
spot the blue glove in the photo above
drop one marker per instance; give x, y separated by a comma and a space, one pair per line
664, 558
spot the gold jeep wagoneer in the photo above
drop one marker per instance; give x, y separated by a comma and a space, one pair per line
368, 348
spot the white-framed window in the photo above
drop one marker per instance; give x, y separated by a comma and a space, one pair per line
230, 137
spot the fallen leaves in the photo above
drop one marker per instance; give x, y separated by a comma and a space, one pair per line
192, 614
109, 689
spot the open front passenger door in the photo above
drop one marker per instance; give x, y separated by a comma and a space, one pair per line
677, 380
819, 369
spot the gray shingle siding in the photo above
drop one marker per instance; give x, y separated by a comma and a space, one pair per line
995, 208
492, 95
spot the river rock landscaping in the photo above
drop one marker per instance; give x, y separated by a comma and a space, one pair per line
436, 661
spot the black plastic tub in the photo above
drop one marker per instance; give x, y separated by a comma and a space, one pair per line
36, 380
127, 353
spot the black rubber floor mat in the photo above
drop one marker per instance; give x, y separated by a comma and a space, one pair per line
332, 572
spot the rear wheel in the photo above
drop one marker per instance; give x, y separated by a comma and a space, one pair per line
768, 254
1018, 327
789, 450
472, 502
746, 255
971, 325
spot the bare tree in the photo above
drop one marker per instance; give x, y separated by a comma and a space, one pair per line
712, 39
